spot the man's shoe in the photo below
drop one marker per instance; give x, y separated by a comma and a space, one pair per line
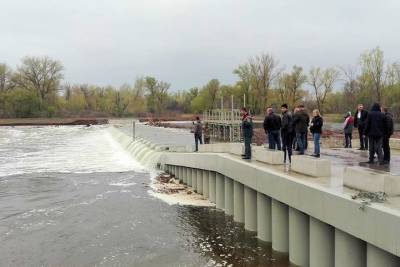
384, 163
246, 158
316, 156
361, 148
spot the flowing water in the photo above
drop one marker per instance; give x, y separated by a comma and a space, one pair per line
72, 196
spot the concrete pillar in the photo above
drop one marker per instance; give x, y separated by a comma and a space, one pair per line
299, 238
264, 217
212, 186
185, 175
220, 190
189, 177
250, 209
322, 244
194, 179
377, 257
238, 202
349, 250
199, 181
228, 196
180, 170
280, 226
205, 184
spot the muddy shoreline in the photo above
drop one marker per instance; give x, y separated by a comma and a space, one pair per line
53, 122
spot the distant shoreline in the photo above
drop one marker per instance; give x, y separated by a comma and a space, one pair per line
52, 121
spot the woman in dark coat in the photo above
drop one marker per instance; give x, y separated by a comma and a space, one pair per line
316, 129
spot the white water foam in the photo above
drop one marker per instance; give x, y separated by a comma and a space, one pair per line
66, 149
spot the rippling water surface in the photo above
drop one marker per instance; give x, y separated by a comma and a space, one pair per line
70, 196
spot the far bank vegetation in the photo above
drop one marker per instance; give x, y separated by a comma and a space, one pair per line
36, 88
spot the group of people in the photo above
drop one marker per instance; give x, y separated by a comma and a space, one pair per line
374, 129
286, 131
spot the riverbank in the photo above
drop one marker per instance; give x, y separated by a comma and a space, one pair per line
52, 121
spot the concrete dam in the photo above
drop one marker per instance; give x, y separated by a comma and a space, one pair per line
308, 211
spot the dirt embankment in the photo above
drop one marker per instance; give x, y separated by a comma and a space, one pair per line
53, 121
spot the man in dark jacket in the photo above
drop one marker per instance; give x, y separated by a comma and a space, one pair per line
287, 132
387, 134
300, 125
375, 128
272, 127
247, 129
198, 132
359, 122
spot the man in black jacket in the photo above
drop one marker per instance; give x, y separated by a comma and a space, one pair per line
359, 122
272, 127
247, 128
287, 132
387, 134
300, 125
375, 128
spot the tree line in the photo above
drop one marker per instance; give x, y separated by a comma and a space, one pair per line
36, 88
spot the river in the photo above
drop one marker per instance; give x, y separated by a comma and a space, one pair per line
71, 196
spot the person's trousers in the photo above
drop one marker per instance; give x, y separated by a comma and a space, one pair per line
247, 147
386, 149
300, 139
287, 145
305, 140
363, 138
347, 138
274, 140
317, 147
197, 140
375, 147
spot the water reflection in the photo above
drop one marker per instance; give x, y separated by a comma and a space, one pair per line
225, 242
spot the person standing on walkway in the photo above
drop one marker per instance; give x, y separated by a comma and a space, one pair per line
316, 129
348, 126
287, 132
300, 124
359, 122
247, 129
375, 128
272, 127
198, 132
388, 133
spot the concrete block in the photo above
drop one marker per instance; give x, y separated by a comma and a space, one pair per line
315, 167
215, 148
394, 143
236, 148
274, 157
371, 181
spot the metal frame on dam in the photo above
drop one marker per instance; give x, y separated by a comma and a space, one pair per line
307, 212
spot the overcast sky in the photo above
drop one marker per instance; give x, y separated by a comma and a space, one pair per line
188, 42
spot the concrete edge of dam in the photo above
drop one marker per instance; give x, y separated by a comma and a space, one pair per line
315, 225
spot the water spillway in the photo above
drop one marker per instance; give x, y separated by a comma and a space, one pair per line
307, 214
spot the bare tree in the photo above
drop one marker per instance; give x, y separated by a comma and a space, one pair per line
290, 86
258, 75
157, 94
322, 82
351, 87
373, 67
40, 74
5, 77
